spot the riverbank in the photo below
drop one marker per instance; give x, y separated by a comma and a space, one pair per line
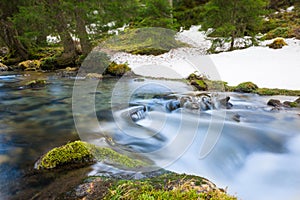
268, 68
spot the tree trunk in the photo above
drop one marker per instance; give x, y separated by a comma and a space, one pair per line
85, 44
9, 35
232, 42
69, 54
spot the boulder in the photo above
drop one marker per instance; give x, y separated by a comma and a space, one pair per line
274, 103
246, 87
115, 69
172, 105
3, 67
224, 103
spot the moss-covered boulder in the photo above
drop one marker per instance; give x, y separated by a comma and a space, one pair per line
36, 83
30, 65
199, 82
290, 104
3, 67
246, 87
115, 69
278, 43
167, 186
80, 153
72, 153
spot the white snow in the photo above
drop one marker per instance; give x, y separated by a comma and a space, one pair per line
266, 67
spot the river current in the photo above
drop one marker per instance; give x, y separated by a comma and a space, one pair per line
251, 148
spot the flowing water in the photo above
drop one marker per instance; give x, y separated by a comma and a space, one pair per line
250, 148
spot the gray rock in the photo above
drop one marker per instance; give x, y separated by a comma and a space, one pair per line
274, 103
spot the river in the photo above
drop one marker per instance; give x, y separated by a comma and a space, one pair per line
251, 149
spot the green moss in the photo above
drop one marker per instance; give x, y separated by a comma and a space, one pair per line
83, 153
74, 152
115, 69
278, 32
111, 156
246, 87
167, 186
293, 104
144, 41
268, 91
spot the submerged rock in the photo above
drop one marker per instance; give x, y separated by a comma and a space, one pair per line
172, 105
36, 83
225, 103
68, 72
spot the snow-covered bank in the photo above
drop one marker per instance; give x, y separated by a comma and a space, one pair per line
266, 67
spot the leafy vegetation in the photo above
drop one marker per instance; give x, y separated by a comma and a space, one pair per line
234, 18
77, 26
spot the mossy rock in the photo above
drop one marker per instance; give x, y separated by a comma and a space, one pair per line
29, 65
290, 104
72, 153
167, 186
199, 82
36, 83
246, 87
81, 153
278, 43
115, 69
